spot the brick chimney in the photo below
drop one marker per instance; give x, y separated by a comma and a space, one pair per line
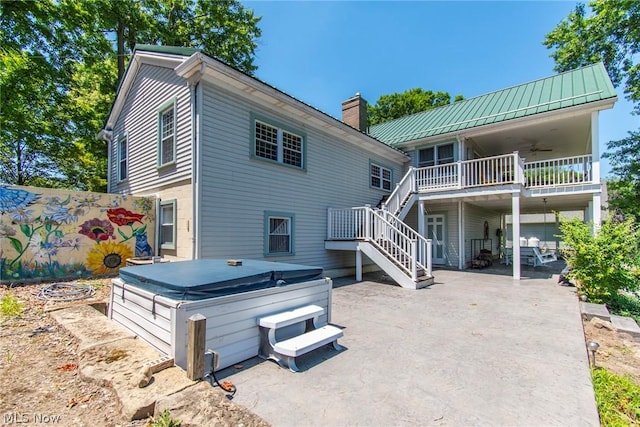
354, 112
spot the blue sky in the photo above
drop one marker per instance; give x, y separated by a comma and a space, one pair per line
324, 52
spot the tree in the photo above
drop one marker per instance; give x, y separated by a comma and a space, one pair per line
611, 34
396, 105
60, 65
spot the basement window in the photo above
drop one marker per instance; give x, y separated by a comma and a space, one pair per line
279, 233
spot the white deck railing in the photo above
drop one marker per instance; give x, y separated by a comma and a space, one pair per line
408, 250
495, 170
404, 188
554, 172
491, 170
438, 177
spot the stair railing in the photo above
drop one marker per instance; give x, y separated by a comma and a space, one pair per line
387, 233
423, 258
403, 190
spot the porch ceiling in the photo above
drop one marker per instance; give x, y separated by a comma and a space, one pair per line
501, 203
564, 136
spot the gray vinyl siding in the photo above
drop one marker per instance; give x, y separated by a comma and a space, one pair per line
153, 86
450, 212
474, 229
238, 189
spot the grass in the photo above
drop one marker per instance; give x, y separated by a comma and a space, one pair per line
618, 399
165, 420
625, 304
10, 306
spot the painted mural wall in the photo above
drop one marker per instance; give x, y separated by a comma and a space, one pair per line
51, 233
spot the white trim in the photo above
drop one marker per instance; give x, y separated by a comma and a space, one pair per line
596, 214
595, 148
515, 230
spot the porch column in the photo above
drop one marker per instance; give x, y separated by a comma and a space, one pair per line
421, 220
515, 236
461, 259
595, 149
358, 265
596, 212
461, 147
557, 228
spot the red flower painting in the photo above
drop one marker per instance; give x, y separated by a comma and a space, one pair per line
121, 216
97, 229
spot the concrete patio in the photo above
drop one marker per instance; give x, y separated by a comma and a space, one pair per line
473, 349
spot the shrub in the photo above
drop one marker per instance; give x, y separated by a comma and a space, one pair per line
625, 305
618, 398
605, 263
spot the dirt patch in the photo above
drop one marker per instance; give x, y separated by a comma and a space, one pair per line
619, 353
40, 363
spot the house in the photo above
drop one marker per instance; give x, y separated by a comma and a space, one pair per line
242, 169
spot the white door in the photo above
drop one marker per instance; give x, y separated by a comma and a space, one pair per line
436, 232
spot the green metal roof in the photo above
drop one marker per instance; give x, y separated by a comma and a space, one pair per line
581, 86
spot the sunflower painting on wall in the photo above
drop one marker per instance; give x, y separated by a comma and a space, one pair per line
108, 257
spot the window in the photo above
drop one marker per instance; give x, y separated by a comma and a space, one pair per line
278, 144
380, 177
168, 224
122, 157
438, 155
167, 133
279, 232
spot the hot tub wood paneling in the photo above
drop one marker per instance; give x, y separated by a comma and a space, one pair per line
232, 328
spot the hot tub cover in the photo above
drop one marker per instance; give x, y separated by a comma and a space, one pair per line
207, 278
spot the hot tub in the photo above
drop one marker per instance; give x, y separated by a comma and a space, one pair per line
155, 301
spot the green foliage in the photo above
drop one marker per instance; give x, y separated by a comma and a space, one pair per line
396, 105
618, 398
611, 34
624, 157
10, 306
625, 304
165, 420
606, 263
59, 68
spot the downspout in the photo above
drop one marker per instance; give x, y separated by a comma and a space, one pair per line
196, 161
107, 135
156, 240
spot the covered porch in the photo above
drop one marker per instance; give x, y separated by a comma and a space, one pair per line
491, 219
